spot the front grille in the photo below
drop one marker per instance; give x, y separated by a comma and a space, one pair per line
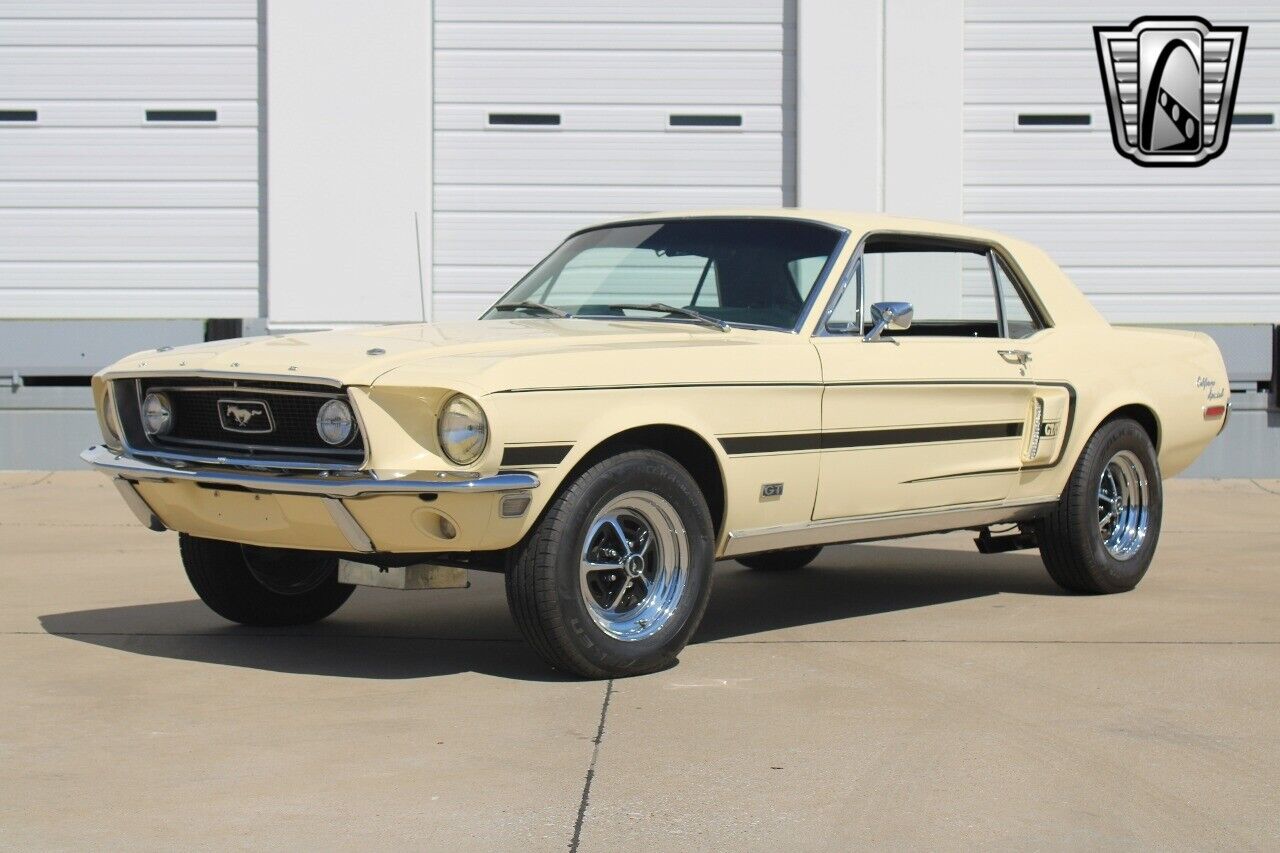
198, 429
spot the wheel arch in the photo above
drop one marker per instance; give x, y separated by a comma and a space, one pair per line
1091, 418
681, 443
1144, 415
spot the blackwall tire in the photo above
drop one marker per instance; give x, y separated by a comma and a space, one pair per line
781, 561
263, 586
1102, 535
614, 578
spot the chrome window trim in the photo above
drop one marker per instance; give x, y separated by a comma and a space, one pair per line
850, 272
1025, 292
1002, 324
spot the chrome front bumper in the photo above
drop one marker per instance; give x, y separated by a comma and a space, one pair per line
334, 485
331, 487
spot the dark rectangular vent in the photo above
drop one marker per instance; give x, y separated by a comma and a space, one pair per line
705, 121
525, 118
1054, 119
182, 115
18, 115
1258, 119
57, 381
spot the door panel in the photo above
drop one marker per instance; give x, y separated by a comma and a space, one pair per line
920, 422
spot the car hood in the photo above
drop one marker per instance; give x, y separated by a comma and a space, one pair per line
359, 356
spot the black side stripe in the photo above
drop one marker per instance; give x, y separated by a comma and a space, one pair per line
771, 443
536, 454
735, 445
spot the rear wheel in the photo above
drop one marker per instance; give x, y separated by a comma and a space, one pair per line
615, 577
1102, 535
781, 561
263, 586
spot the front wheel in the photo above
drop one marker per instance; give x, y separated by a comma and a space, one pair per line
615, 577
263, 586
1102, 535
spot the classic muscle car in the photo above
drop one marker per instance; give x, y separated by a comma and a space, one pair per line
657, 394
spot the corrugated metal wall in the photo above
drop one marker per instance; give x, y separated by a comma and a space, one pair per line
103, 211
613, 72
1148, 245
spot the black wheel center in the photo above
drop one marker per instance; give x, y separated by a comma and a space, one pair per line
288, 572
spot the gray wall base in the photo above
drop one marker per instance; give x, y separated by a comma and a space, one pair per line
45, 428
83, 347
1248, 447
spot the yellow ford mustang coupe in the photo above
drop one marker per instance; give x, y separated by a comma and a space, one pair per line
659, 393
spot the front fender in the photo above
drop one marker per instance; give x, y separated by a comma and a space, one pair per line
583, 421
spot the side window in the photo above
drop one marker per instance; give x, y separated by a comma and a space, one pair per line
956, 289
950, 288
1019, 319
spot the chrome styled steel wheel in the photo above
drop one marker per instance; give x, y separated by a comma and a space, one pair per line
634, 565
1123, 505
1102, 535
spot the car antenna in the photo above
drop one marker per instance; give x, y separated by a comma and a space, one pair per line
417, 245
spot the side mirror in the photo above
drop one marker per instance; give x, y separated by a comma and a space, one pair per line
894, 316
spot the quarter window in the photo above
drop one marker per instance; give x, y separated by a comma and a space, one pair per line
1019, 319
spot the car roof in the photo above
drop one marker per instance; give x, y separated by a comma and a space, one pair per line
856, 223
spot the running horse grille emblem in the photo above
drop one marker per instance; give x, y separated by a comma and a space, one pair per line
1170, 85
245, 416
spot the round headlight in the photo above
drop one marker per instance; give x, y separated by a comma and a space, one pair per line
335, 422
111, 416
463, 430
157, 414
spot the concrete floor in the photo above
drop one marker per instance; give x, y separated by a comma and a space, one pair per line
907, 695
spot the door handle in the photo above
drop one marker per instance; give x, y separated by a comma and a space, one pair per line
1015, 356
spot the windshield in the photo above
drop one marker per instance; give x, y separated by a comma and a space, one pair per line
755, 272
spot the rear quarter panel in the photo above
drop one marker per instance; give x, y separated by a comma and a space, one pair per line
1172, 373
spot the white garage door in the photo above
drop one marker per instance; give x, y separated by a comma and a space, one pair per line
1187, 245
128, 158
550, 116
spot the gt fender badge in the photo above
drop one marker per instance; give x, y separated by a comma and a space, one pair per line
770, 491
1170, 85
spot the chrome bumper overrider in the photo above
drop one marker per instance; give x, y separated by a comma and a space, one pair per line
336, 485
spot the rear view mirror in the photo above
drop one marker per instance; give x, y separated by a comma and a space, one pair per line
894, 316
